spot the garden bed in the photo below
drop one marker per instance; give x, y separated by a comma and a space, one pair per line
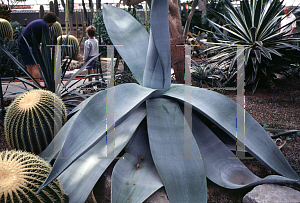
273, 107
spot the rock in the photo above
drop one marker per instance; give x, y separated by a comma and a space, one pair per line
271, 193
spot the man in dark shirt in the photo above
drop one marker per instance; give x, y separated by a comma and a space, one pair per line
36, 28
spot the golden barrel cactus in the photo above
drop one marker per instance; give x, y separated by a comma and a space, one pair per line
70, 51
31, 119
55, 30
22, 174
5, 29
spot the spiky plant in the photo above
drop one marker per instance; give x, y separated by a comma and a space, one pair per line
31, 119
55, 30
73, 50
164, 146
41, 12
21, 174
5, 29
253, 33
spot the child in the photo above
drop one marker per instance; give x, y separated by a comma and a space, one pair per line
90, 49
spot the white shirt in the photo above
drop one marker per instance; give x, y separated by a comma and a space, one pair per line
286, 20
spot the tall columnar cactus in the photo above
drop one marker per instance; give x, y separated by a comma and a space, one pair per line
56, 10
22, 174
55, 30
5, 29
51, 6
31, 119
42, 12
70, 51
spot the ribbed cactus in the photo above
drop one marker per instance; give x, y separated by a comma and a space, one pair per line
22, 174
31, 119
5, 29
42, 12
51, 5
75, 49
56, 10
55, 30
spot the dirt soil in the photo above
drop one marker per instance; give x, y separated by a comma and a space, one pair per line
276, 107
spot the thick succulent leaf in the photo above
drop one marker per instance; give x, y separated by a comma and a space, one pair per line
221, 165
158, 64
90, 125
135, 177
56, 144
179, 166
129, 36
77, 180
222, 111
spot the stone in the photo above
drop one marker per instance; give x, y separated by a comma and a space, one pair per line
271, 193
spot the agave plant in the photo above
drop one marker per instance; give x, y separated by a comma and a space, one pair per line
253, 30
163, 147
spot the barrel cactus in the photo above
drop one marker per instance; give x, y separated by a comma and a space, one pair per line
31, 119
70, 51
5, 29
55, 30
22, 174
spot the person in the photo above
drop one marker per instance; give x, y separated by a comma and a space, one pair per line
36, 28
288, 19
90, 49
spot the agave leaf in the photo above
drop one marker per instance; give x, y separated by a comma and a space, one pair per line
222, 111
257, 55
56, 144
222, 167
129, 36
131, 181
90, 125
157, 72
77, 180
181, 170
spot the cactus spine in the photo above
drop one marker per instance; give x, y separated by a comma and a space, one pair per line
75, 49
42, 12
51, 6
55, 30
31, 119
5, 29
22, 174
56, 10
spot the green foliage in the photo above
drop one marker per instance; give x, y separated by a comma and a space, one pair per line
5, 29
17, 29
206, 76
7, 67
254, 28
164, 145
72, 51
22, 174
31, 120
41, 12
5, 12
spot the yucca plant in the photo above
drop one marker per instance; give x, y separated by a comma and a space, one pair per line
21, 175
254, 29
162, 148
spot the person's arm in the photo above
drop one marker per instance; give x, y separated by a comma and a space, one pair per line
86, 51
